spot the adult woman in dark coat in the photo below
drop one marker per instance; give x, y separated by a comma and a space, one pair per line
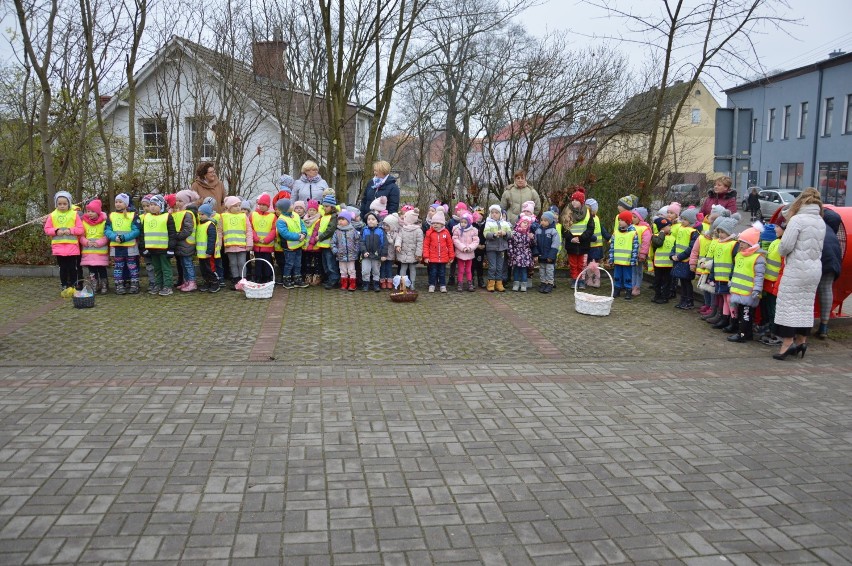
832, 258
382, 184
754, 205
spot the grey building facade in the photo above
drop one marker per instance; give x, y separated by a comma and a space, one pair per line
801, 131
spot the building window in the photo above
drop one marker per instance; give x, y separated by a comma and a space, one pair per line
791, 175
696, 115
200, 145
785, 126
770, 130
754, 130
847, 119
154, 138
803, 119
362, 135
828, 117
769, 178
832, 182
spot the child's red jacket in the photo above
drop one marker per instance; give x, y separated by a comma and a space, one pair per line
438, 246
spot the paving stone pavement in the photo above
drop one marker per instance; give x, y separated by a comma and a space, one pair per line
401, 437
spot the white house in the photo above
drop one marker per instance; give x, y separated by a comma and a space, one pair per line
194, 104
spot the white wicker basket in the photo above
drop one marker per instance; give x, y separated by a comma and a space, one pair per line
595, 305
259, 290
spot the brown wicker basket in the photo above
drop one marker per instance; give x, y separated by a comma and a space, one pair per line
403, 296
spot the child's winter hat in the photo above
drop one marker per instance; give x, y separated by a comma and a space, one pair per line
477, 217
661, 223
664, 210
591, 203
728, 225
641, 212
528, 207
186, 196
768, 234
299, 203
374, 215
123, 197
279, 195
411, 217
157, 200
329, 200
675, 208
549, 216
245, 204
629, 202
146, 198
286, 181
94, 205
405, 208
264, 199
171, 200
209, 200
392, 220
467, 217
689, 215
346, 214
461, 207
494, 207
312, 203
626, 216
523, 224
750, 236
356, 212
207, 210
379, 204
283, 205
579, 195
719, 210
438, 217
231, 201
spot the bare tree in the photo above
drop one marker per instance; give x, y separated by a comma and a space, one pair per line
689, 40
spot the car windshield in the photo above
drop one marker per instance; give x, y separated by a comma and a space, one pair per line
789, 196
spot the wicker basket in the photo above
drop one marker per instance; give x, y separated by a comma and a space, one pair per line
258, 290
595, 305
403, 296
84, 298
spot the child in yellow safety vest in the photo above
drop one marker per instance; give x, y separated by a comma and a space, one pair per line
663, 244
95, 246
157, 243
624, 254
770, 240
312, 254
700, 260
236, 237
596, 248
263, 235
644, 233
184, 218
682, 271
723, 266
746, 282
292, 232
64, 227
207, 248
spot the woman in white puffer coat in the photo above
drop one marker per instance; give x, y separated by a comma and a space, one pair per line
801, 246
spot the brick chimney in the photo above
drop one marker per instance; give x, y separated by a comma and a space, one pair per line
268, 59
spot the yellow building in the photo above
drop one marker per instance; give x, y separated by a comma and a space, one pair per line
690, 152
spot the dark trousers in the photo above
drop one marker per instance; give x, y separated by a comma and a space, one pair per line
207, 269
687, 293
330, 267
69, 270
292, 263
662, 280
438, 274
262, 271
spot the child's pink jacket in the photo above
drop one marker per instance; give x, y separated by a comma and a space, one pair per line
94, 259
645, 242
465, 239
65, 248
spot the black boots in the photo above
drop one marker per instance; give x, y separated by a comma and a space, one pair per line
723, 322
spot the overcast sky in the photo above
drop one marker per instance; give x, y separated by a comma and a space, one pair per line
824, 27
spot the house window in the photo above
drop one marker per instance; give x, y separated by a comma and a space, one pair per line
847, 119
791, 175
828, 117
154, 138
803, 119
362, 135
832, 182
696, 115
200, 146
770, 130
769, 178
785, 126
754, 130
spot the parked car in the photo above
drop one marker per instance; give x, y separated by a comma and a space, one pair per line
685, 193
744, 202
773, 199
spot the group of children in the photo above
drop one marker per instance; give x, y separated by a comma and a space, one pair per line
319, 240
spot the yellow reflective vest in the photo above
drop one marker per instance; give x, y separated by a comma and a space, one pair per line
663, 254
201, 241
773, 261
95, 232
234, 227
122, 224
742, 279
622, 246
598, 243
705, 251
262, 224
178, 218
64, 220
579, 227
723, 261
156, 230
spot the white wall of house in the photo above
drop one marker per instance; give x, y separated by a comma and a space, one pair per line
178, 92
